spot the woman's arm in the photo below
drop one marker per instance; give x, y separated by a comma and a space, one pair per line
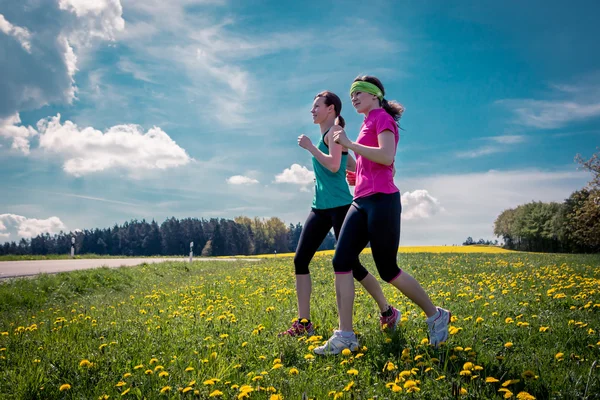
383, 154
330, 161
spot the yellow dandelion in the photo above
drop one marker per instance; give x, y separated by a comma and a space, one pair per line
463, 391
352, 372
478, 320
188, 369
165, 389
559, 356
348, 386
64, 387
276, 397
409, 384
192, 383
163, 374
465, 373
256, 378
510, 382
139, 366
277, 366
215, 393
125, 392
507, 393
525, 396
293, 371
309, 357
121, 383
148, 372
187, 389
468, 366
389, 366
85, 363
508, 345
346, 352
491, 379
441, 377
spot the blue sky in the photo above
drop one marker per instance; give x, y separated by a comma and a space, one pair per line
116, 110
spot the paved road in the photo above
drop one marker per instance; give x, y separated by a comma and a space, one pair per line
11, 269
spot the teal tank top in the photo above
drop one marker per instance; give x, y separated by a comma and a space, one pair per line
331, 190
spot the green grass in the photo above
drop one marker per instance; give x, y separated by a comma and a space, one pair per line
12, 257
221, 319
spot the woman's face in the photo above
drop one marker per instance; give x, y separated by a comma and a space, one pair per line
364, 102
320, 111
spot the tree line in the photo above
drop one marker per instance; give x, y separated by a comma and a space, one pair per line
572, 226
214, 237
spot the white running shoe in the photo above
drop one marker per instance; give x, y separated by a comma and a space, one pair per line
438, 326
337, 343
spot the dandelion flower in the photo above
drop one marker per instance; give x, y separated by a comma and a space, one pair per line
352, 372
188, 369
525, 396
125, 392
491, 379
293, 371
216, 393
346, 352
187, 389
165, 389
508, 345
64, 387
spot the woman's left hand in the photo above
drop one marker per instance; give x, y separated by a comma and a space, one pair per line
340, 137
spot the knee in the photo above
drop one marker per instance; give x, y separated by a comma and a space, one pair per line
301, 265
359, 272
390, 274
341, 263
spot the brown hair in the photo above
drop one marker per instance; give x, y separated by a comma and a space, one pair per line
393, 108
332, 98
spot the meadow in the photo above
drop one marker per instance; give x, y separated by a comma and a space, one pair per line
524, 326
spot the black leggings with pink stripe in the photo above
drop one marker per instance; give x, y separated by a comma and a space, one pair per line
374, 219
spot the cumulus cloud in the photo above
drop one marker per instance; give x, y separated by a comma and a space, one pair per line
123, 147
297, 175
419, 204
11, 129
43, 39
241, 180
472, 202
14, 227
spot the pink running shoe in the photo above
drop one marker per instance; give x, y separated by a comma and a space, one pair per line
299, 329
390, 323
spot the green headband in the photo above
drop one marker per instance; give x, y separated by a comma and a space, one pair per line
367, 87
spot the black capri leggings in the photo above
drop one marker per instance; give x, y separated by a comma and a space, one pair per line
375, 219
314, 231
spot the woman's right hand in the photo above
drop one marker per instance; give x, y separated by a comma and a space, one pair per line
351, 178
304, 142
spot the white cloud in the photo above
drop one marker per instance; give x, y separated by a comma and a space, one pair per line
241, 180
472, 202
21, 34
502, 144
122, 147
50, 39
482, 151
508, 139
14, 227
572, 102
297, 175
419, 204
20, 135
95, 19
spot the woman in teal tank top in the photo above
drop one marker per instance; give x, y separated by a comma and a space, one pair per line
331, 201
